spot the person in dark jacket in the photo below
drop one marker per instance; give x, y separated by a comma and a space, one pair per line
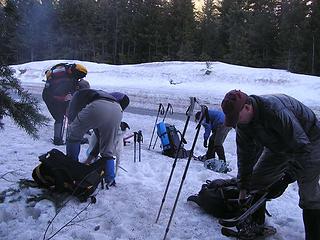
278, 140
101, 111
213, 124
62, 81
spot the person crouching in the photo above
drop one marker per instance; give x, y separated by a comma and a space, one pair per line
98, 110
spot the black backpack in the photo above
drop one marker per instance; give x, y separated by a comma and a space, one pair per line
62, 174
214, 195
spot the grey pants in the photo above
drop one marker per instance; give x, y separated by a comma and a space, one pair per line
102, 115
216, 141
270, 165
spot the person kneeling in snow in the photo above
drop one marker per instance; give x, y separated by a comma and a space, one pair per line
99, 110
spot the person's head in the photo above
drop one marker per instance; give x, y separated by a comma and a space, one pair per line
82, 84
237, 108
197, 116
122, 99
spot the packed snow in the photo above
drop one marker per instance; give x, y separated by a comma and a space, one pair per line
129, 210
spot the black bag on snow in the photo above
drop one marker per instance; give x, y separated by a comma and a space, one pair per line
213, 198
62, 174
170, 140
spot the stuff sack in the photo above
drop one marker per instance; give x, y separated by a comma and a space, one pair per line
170, 140
62, 174
214, 195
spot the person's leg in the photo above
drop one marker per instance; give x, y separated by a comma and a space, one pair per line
309, 191
311, 220
211, 151
85, 120
108, 128
220, 136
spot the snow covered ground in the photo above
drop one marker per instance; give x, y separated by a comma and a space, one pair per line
129, 210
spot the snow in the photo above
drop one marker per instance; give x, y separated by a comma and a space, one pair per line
129, 210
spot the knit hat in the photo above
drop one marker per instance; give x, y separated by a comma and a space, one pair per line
232, 105
122, 99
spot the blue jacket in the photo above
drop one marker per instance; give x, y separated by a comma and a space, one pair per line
216, 118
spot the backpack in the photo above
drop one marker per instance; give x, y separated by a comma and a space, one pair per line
63, 79
62, 174
170, 140
62, 70
214, 195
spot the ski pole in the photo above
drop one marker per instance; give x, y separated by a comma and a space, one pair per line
184, 174
170, 110
135, 146
161, 112
140, 140
64, 124
189, 113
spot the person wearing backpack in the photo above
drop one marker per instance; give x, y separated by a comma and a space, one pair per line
278, 139
62, 80
101, 111
213, 124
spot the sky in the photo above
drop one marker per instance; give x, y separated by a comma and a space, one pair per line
129, 210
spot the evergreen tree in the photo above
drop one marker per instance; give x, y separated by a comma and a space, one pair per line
8, 23
182, 33
19, 104
262, 26
208, 31
234, 18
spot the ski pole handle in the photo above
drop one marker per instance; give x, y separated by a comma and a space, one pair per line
190, 109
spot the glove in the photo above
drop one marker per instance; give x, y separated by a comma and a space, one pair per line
277, 188
242, 197
205, 143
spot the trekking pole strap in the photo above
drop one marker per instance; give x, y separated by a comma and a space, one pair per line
160, 112
204, 108
168, 110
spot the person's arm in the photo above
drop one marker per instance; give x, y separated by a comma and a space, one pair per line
247, 156
207, 131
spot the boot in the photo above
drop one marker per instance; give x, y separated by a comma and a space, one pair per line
109, 173
220, 153
259, 217
311, 220
73, 150
57, 134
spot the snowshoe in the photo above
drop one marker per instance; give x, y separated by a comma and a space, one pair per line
217, 165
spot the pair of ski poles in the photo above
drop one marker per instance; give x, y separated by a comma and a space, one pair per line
137, 138
189, 113
163, 112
